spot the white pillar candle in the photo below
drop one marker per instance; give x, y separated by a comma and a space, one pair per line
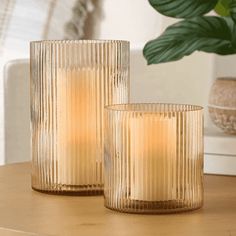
153, 158
78, 112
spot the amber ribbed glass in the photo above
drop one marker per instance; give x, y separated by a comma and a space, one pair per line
71, 82
153, 158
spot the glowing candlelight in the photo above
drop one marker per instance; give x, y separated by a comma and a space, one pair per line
153, 158
78, 136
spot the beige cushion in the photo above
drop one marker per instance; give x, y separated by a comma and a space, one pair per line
17, 111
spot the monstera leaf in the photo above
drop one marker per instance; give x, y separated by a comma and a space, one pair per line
205, 33
183, 8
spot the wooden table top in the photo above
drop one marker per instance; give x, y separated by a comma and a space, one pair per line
26, 212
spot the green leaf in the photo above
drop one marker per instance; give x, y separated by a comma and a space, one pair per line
183, 8
208, 33
222, 7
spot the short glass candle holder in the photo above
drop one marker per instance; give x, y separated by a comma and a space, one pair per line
71, 82
153, 158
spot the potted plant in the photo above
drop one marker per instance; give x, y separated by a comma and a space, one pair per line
200, 32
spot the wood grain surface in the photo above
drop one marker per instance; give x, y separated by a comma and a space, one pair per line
26, 212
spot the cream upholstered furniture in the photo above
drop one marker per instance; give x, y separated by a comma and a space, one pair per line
16, 111
157, 83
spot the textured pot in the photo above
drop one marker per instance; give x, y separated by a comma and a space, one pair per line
222, 104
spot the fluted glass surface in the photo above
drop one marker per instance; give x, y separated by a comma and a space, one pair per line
153, 158
71, 82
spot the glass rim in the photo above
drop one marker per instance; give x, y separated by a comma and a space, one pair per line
124, 107
79, 41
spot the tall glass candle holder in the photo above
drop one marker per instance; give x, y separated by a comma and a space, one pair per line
153, 158
71, 82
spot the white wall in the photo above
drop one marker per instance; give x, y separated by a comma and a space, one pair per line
133, 20
225, 66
